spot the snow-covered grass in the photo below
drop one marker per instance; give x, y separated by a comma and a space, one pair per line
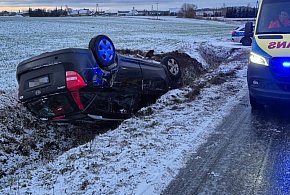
21, 38
144, 153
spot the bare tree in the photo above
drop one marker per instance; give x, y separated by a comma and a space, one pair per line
188, 10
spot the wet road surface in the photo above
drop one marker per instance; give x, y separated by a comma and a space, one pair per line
249, 153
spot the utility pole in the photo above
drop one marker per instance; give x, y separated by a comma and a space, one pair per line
157, 10
97, 11
257, 6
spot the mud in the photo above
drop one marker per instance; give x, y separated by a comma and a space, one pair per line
190, 67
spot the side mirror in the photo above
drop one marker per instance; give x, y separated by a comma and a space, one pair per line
249, 29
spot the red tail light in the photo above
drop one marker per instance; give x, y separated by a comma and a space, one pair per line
74, 82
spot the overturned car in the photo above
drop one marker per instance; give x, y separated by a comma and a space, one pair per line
89, 85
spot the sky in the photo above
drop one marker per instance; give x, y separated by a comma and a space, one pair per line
118, 4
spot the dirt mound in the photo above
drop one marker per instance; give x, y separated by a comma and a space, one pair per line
190, 67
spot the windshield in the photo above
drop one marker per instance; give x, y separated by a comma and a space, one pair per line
274, 17
51, 106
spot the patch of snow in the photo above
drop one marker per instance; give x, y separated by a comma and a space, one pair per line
145, 152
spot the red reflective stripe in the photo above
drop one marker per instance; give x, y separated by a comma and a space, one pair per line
77, 99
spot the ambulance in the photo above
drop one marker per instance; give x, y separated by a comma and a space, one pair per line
268, 73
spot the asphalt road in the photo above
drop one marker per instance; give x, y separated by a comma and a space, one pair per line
249, 153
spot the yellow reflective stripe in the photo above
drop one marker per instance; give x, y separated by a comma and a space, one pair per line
275, 47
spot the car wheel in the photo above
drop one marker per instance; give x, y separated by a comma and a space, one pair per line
172, 66
246, 41
255, 105
103, 50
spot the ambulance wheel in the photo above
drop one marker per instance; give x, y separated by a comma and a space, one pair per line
255, 105
246, 41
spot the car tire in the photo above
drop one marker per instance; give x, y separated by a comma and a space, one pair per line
103, 50
246, 41
255, 105
172, 66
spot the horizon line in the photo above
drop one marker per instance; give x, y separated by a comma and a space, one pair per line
50, 7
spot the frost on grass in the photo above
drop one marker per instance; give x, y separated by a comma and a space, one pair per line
215, 55
145, 152
26, 142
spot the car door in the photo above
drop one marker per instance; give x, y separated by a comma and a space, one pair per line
154, 77
127, 86
129, 76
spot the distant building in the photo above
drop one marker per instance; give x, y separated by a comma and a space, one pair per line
174, 11
205, 12
73, 13
135, 12
159, 13
123, 13
84, 12
24, 14
81, 12
111, 13
143, 13
208, 12
4, 13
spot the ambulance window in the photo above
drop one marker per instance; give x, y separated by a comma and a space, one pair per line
274, 17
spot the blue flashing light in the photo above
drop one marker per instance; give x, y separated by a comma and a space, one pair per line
280, 65
286, 64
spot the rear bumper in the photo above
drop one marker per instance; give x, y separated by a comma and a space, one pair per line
265, 87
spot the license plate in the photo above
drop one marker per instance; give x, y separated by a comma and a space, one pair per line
38, 81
